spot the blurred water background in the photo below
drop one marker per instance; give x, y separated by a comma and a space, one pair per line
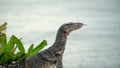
94, 46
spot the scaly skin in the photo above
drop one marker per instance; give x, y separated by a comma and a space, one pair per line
51, 57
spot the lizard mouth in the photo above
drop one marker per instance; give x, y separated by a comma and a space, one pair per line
85, 25
78, 26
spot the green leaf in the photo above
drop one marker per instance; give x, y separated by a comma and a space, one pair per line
17, 56
20, 56
1, 54
39, 47
19, 44
10, 45
4, 59
11, 56
3, 40
30, 50
23, 56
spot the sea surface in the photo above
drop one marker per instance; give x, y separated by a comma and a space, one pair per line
94, 46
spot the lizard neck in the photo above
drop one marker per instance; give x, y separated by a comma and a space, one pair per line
60, 42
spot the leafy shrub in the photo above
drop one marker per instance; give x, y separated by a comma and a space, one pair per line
7, 49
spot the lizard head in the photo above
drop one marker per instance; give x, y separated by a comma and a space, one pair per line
71, 26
